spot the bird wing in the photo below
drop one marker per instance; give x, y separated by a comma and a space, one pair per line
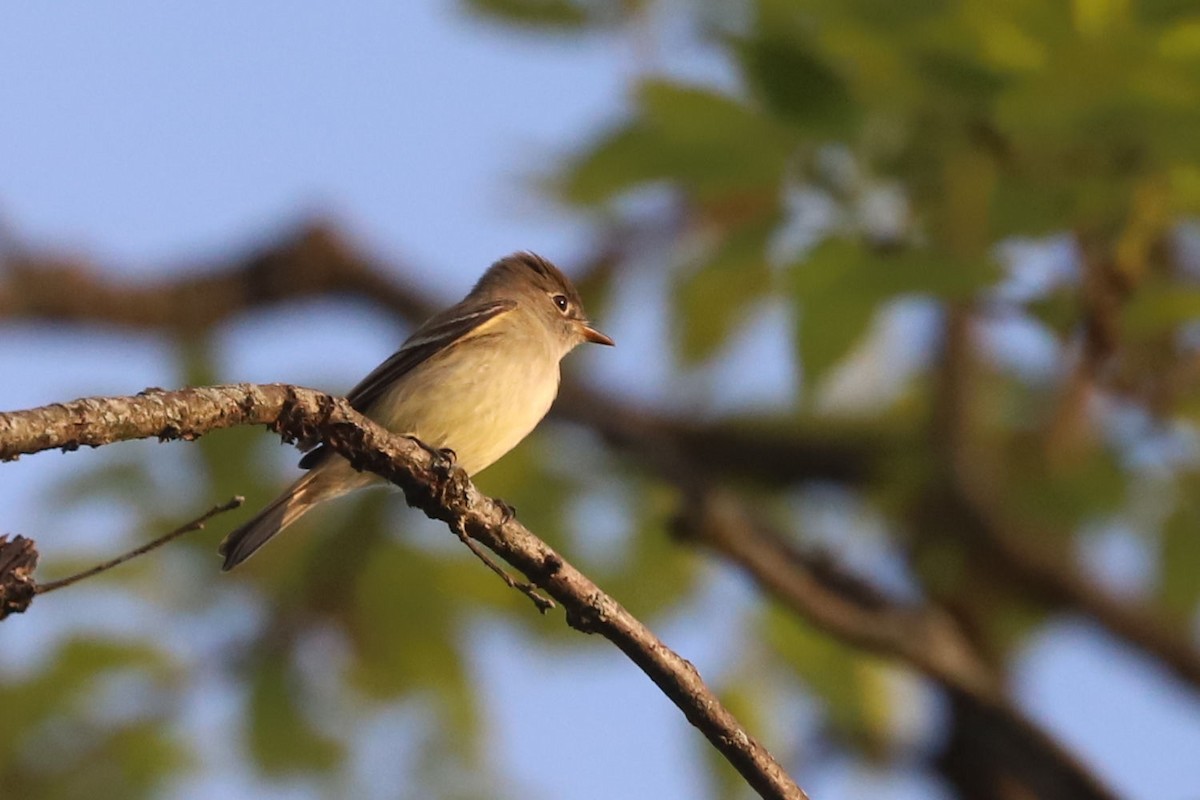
439, 333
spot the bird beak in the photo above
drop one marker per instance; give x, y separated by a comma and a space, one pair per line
592, 335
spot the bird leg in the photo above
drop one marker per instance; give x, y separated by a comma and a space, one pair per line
542, 602
507, 512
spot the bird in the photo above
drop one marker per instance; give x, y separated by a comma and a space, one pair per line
474, 380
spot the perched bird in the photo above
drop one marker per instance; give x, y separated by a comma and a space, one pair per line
474, 379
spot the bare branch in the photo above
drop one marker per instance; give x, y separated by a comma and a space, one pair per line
923, 636
316, 261
835, 601
313, 261
1014, 750
306, 416
195, 525
1018, 549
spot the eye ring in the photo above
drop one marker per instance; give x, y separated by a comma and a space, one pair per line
562, 302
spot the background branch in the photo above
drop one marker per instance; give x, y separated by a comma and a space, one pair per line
1015, 753
922, 636
315, 260
1022, 549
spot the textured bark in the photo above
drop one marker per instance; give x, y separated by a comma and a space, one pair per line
18, 558
431, 484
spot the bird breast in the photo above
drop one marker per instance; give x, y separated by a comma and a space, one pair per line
477, 399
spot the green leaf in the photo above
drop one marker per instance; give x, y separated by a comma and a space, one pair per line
705, 142
1159, 308
336, 556
282, 738
405, 630
842, 283
796, 85
53, 735
122, 477
1181, 41
1065, 495
403, 625
852, 685
72, 672
1179, 588
1031, 202
833, 316
713, 299
538, 492
145, 758
621, 160
653, 574
1059, 310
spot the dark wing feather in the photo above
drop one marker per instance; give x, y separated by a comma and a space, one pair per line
438, 333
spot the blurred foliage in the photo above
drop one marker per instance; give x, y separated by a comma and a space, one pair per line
59, 742
906, 142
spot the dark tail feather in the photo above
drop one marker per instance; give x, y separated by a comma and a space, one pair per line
283, 511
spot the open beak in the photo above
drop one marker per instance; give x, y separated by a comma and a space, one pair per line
593, 335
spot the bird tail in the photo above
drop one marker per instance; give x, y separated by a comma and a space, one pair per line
243, 542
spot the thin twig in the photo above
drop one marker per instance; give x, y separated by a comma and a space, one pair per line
542, 602
194, 525
304, 415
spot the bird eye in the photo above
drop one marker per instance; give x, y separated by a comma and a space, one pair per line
561, 301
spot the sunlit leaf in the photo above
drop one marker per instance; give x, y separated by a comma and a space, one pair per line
697, 138
1181, 41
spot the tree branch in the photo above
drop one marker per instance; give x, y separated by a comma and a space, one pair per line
448, 495
837, 602
970, 496
316, 261
1012, 750
923, 636
310, 262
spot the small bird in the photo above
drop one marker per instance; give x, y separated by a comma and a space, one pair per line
474, 379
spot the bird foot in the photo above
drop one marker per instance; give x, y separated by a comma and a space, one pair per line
444, 458
507, 512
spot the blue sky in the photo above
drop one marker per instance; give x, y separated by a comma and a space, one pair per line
146, 131
147, 135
